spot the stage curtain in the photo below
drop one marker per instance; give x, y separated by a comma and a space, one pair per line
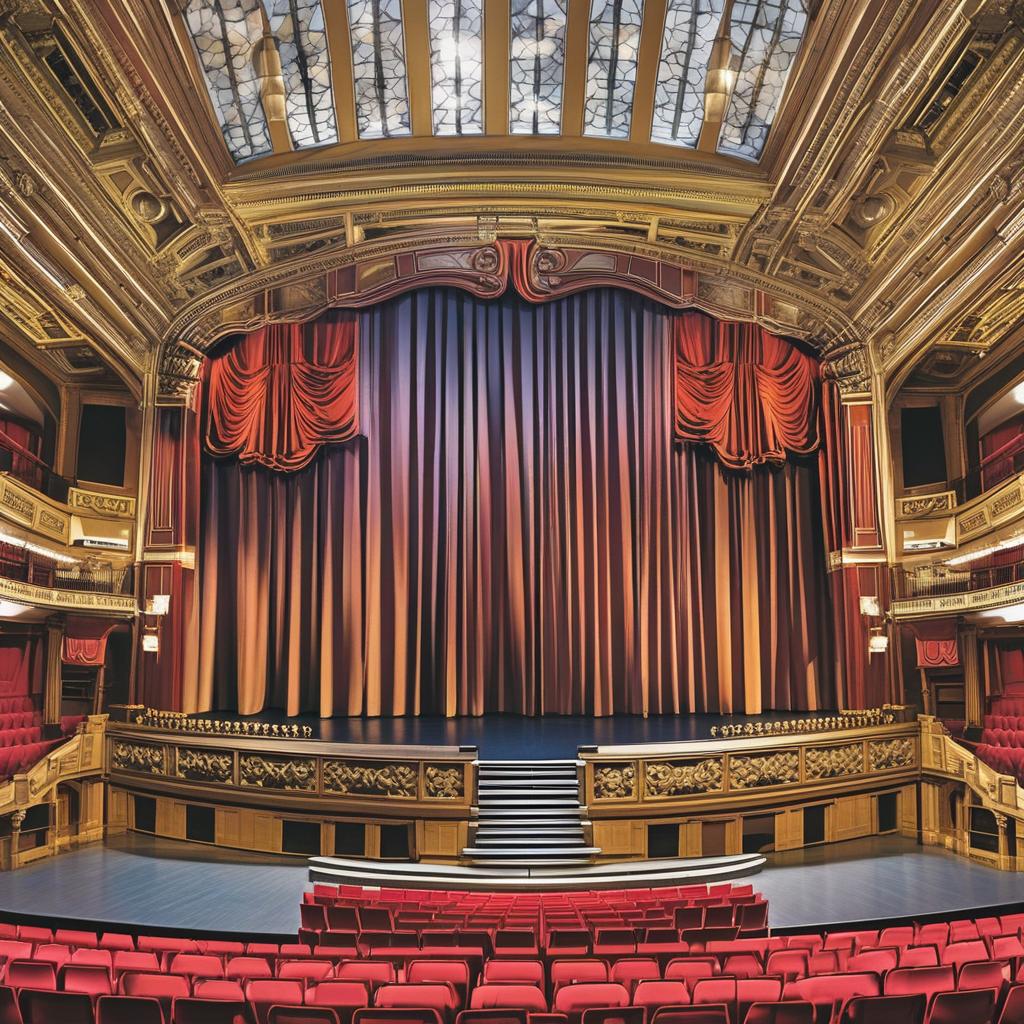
283, 391
514, 531
751, 396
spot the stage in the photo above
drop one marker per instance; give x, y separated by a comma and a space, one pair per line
137, 881
517, 737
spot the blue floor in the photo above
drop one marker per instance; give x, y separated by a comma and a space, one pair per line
142, 881
517, 737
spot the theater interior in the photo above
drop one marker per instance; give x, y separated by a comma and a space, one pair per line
511, 512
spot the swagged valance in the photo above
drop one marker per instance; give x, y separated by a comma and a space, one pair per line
284, 390
750, 395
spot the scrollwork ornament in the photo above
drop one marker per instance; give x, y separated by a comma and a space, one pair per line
347, 777
615, 781
443, 783
138, 757
885, 755
278, 773
204, 765
669, 778
829, 762
778, 769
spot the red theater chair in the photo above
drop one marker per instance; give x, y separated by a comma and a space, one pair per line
210, 1011
572, 1000
90, 979
994, 974
397, 1015
515, 942
31, 974
508, 996
246, 968
53, 953
652, 995
877, 960
631, 970
306, 971
302, 1015
708, 1014
439, 997
45, 1007
164, 987
218, 988
919, 956
828, 992
614, 942
126, 960
569, 972
614, 1015
926, 980
263, 994
495, 1016
974, 1006
71, 937
90, 955
197, 965
528, 972
372, 973
780, 1013
128, 1010
569, 942
452, 972
907, 1009
344, 997
960, 953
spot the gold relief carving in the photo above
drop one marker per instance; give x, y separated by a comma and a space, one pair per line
926, 504
888, 754
778, 769
351, 777
615, 781
828, 762
115, 505
52, 523
443, 782
277, 772
1011, 499
973, 522
672, 778
137, 757
17, 505
29, 593
204, 765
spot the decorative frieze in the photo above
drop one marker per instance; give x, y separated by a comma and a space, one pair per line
775, 769
829, 762
884, 755
204, 765
369, 779
615, 781
675, 778
444, 782
297, 773
138, 757
117, 506
26, 507
67, 600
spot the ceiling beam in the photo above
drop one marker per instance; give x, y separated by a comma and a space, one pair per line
339, 43
574, 70
416, 31
496, 48
652, 32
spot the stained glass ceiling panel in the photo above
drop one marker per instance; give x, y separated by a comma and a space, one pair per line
611, 67
378, 68
225, 33
456, 66
690, 30
298, 26
536, 66
766, 35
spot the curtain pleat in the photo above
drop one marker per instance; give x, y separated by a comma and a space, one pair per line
518, 530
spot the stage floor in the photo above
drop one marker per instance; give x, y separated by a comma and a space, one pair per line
142, 881
515, 737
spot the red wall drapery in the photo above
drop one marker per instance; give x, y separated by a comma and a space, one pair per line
283, 391
937, 653
84, 650
752, 396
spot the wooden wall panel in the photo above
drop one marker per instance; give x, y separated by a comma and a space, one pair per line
621, 838
850, 817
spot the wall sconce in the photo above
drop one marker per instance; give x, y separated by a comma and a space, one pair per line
878, 643
869, 606
151, 643
158, 604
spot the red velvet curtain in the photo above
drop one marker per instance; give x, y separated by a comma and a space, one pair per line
283, 391
751, 396
515, 531
21, 665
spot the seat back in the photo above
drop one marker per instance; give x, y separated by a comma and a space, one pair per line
507, 996
211, 1011
396, 1015
46, 1007
614, 1015
926, 980
908, 1009
707, 1014
128, 1010
972, 1006
302, 1015
780, 1013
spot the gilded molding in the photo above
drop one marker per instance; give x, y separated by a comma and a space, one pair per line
204, 765
444, 782
674, 778
369, 779
775, 769
116, 506
277, 772
829, 762
885, 755
138, 757
615, 781
119, 605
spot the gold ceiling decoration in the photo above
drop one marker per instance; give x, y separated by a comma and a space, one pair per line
879, 217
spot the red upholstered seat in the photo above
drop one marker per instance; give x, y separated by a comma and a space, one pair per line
307, 971
655, 994
572, 1000
530, 972
496, 1016
789, 963
994, 974
919, 956
926, 980
780, 1013
127, 960
568, 972
1011, 1013
30, 974
218, 988
92, 979
197, 965
958, 953
128, 1010
908, 1009
396, 1015
974, 1006
47, 1007
221, 947
372, 972
55, 953
211, 1011
452, 972
709, 1014
245, 968
630, 970
877, 960
690, 969
344, 997
92, 956
508, 995
830, 991
440, 997
614, 1015
264, 993
164, 987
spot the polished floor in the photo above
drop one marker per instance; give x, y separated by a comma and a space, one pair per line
517, 737
141, 881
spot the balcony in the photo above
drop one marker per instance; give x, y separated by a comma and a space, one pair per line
993, 470
90, 575
938, 580
29, 469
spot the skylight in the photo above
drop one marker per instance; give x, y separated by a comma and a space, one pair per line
536, 66
378, 67
225, 34
690, 29
765, 36
611, 66
456, 66
298, 26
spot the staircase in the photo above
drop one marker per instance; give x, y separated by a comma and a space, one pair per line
529, 815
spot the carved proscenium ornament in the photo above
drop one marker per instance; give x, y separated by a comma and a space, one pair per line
777, 769
615, 781
137, 757
828, 762
277, 772
368, 779
885, 755
673, 778
204, 765
443, 782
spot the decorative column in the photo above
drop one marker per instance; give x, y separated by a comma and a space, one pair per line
52, 685
974, 698
1004, 852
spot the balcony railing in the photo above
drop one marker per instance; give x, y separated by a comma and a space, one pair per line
993, 470
940, 580
27, 467
91, 576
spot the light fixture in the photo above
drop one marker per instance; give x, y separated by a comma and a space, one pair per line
721, 78
37, 549
158, 604
1018, 393
6, 380
870, 606
878, 643
11, 609
1011, 613
972, 556
151, 643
